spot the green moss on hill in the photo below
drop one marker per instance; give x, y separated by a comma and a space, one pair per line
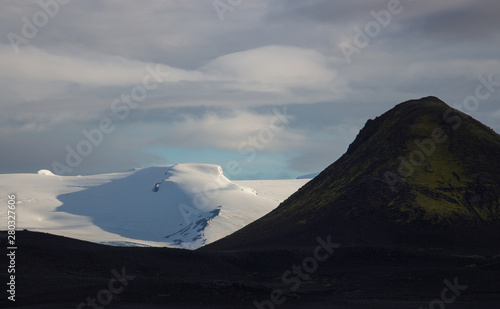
452, 181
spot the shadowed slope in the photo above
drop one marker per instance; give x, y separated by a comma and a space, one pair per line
421, 174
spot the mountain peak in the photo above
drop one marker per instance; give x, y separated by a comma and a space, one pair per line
402, 116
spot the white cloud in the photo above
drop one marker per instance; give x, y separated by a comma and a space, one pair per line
281, 66
263, 54
64, 83
216, 131
75, 66
272, 68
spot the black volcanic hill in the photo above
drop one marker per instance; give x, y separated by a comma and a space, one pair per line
420, 175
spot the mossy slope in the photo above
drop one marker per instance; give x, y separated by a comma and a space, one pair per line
421, 174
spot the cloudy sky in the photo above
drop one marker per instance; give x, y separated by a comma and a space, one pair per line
266, 89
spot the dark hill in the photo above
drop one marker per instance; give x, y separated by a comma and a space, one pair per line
55, 272
377, 213
420, 175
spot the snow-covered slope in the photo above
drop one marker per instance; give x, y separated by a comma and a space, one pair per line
184, 205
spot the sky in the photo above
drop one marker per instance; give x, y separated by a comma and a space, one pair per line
266, 89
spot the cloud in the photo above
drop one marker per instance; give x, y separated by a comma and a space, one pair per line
273, 68
43, 84
225, 77
216, 130
74, 66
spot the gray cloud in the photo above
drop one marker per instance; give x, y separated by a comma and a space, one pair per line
225, 77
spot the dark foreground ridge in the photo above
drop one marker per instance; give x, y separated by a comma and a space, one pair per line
420, 175
58, 272
407, 218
